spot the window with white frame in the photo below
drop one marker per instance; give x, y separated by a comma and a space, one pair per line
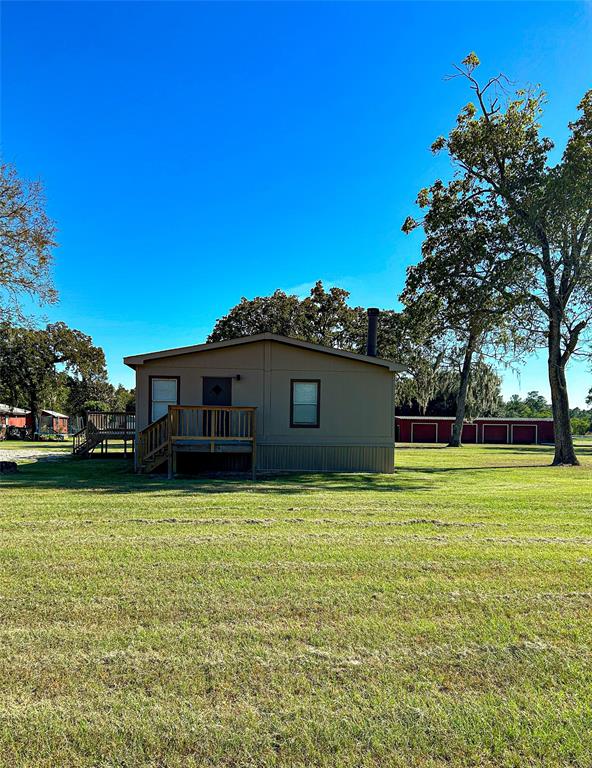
305, 403
164, 392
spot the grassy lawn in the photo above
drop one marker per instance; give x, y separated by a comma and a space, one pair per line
17, 445
438, 617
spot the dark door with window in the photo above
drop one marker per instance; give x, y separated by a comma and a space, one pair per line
217, 391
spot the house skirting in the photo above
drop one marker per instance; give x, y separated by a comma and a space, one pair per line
326, 458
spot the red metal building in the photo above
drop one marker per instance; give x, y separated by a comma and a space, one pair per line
438, 429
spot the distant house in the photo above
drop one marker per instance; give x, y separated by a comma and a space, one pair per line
268, 402
19, 421
11, 417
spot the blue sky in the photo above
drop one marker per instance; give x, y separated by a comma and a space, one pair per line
194, 153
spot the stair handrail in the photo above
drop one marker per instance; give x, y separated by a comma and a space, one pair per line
153, 438
78, 438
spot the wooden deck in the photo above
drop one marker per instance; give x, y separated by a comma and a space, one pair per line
197, 428
103, 427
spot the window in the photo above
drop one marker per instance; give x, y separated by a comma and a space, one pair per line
163, 392
305, 403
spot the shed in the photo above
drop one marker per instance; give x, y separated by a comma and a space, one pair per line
54, 422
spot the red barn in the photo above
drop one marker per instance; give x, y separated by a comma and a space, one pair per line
498, 430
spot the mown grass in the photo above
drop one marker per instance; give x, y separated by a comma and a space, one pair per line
440, 616
17, 445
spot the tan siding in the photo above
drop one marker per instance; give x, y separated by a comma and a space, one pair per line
325, 458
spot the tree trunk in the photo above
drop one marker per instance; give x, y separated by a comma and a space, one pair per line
461, 400
35, 417
564, 447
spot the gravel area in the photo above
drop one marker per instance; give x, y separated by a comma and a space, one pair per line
19, 454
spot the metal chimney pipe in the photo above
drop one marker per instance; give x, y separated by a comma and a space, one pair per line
373, 313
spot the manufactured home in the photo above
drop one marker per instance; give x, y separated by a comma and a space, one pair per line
265, 402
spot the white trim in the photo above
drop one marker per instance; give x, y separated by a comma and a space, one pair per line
498, 419
507, 426
425, 424
531, 419
415, 418
536, 432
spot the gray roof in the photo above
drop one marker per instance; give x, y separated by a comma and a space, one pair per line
134, 360
12, 410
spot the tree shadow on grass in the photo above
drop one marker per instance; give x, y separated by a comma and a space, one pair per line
117, 477
581, 449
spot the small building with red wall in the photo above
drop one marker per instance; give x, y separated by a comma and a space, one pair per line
495, 430
54, 423
13, 417
20, 419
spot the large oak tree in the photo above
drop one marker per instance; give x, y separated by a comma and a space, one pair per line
464, 283
498, 152
33, 360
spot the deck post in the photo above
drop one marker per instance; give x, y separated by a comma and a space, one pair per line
170, 445
254, 447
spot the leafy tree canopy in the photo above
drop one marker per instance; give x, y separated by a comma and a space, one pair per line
27, 237
325, 317
463, 285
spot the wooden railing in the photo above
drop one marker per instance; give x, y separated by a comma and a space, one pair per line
102, 427
153, 438
112, 421
78, 439
205, 422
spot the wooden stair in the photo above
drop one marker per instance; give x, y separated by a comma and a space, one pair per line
85, 441
153, 445
196, 428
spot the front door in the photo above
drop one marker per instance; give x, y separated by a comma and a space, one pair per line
217, 391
